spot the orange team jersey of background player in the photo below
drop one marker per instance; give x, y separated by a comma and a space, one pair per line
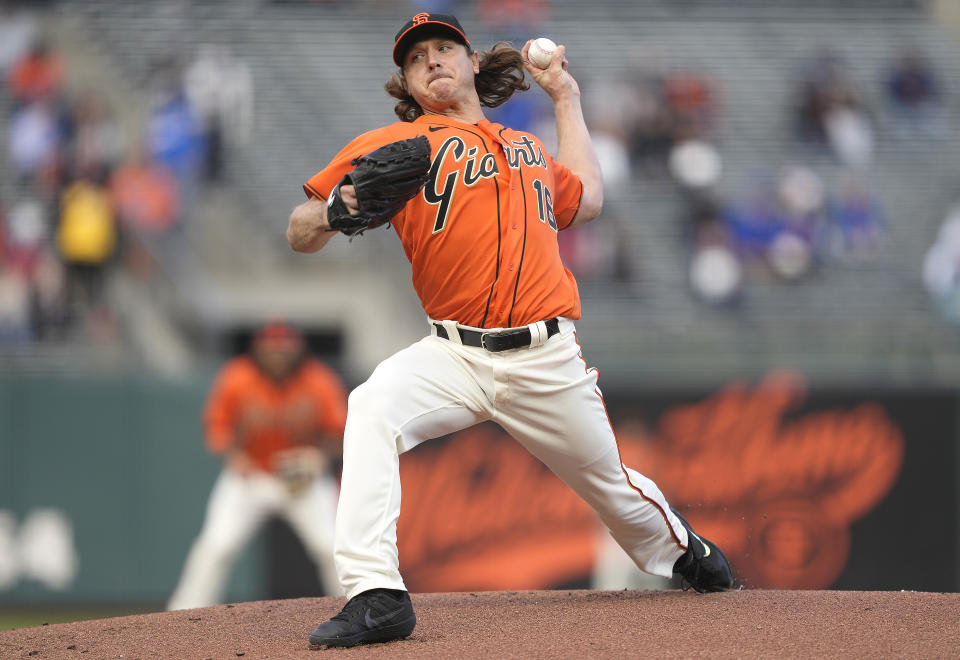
481, 236
245, 406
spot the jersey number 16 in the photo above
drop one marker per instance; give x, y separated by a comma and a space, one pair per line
545, 204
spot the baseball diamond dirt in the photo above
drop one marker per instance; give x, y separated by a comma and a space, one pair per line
538, 624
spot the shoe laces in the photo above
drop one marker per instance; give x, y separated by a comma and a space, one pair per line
353, 610
356, 607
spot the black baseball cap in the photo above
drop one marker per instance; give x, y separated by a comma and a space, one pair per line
421, 24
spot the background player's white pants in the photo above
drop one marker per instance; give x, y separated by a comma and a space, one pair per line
238, 507
545, 397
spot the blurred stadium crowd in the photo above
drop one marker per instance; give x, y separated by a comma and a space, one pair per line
85, 193
81, 194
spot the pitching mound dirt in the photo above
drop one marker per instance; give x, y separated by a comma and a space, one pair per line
537, 624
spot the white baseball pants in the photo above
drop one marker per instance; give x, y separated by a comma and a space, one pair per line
545, 397
238, 507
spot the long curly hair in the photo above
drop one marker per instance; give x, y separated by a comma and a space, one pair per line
501, 74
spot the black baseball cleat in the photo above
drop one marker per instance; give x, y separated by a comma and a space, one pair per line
703, 566
377, 615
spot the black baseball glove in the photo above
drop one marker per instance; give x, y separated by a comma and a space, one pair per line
385, 179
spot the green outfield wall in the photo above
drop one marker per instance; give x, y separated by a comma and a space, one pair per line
103, 483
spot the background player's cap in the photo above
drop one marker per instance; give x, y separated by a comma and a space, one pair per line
278, 334
420, 26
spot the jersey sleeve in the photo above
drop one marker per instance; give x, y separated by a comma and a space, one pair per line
568, 190
220, 411
321, 183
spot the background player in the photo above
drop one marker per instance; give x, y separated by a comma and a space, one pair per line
276, 416
482, 241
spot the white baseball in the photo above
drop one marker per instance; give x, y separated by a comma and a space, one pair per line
540, 52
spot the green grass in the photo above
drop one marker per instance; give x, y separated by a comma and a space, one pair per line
27, 619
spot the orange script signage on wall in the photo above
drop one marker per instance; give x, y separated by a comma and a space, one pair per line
775, 486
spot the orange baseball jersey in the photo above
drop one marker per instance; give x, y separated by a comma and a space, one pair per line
263, 416
482, 234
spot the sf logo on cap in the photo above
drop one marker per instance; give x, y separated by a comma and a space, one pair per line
421, 18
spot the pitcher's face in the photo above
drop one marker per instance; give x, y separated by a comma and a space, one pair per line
439, 73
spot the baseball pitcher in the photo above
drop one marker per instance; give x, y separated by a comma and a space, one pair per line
477, 207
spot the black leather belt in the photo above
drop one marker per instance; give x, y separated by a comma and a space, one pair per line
503, 340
